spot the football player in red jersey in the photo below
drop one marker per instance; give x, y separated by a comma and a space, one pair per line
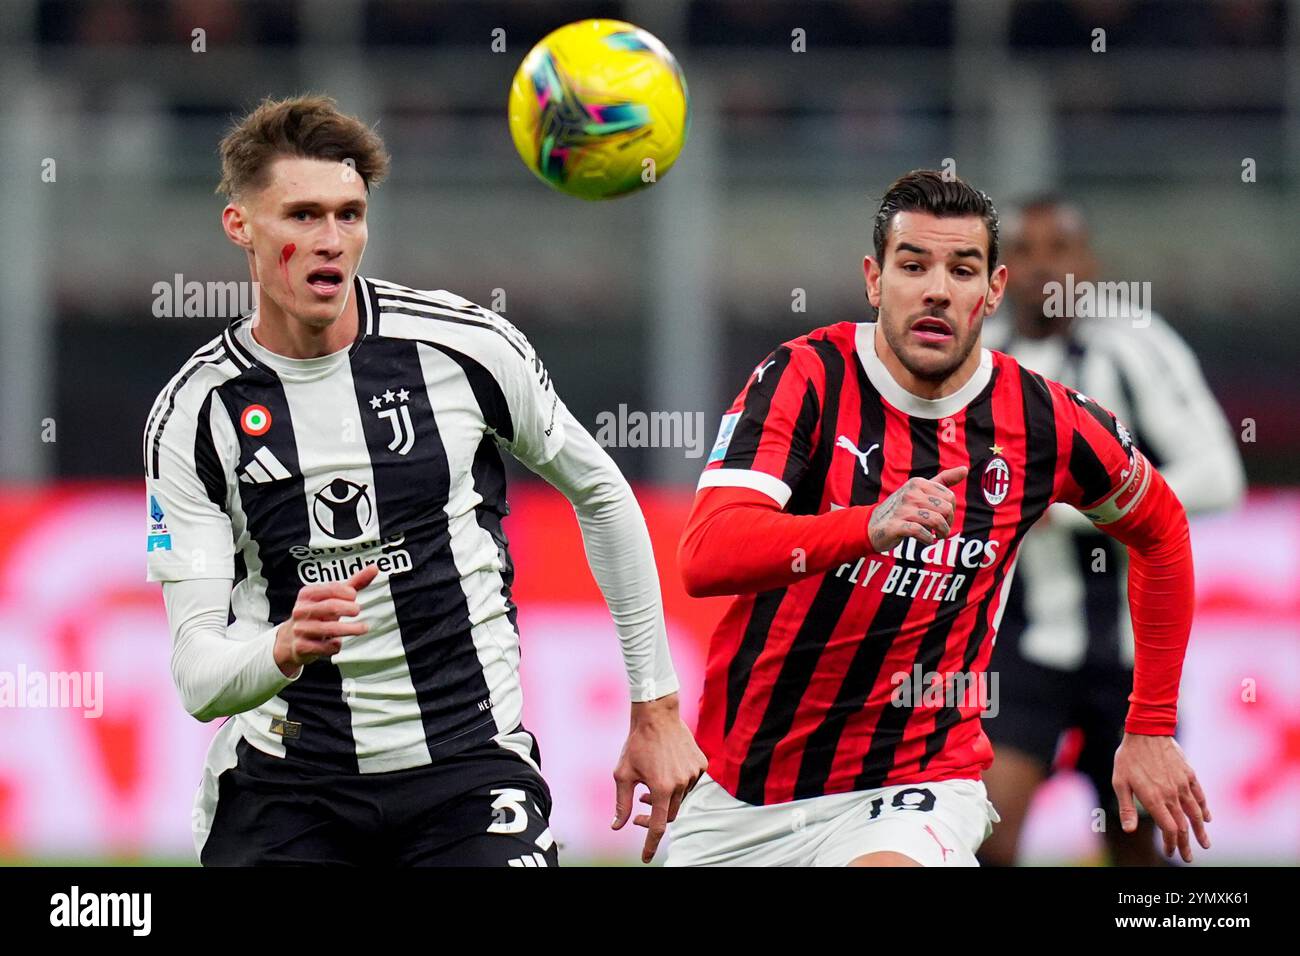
865, 501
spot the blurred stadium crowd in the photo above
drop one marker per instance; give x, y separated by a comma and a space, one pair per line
863, 23
802, 114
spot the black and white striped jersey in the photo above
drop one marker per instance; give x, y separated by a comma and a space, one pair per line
277, 472
1068, 603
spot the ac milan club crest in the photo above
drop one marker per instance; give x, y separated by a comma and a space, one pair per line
997, 477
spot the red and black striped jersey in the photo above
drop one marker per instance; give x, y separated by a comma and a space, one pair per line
869, 674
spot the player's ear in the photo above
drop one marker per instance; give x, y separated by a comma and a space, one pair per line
871, 272
997, 287
235, 224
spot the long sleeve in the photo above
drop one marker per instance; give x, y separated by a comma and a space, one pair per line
617, 543
739, 541
1161, 592
1117, 488
217, 676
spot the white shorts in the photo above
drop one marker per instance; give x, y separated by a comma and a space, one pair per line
936, 824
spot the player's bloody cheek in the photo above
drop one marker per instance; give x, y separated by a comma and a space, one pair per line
285, 254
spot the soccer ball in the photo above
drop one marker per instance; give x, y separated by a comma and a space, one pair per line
599, 108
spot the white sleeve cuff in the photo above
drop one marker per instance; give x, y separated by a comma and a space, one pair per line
774, 488
654, 688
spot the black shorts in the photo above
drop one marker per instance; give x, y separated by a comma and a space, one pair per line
1036, 704
483, 807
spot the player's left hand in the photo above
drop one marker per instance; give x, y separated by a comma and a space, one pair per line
1155, 771
660, 753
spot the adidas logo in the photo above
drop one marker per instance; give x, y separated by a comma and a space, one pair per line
262, 468
544, 840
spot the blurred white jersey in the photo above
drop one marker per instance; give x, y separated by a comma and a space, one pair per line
1069, 600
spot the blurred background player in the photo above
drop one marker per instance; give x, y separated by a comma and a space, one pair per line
1065, 649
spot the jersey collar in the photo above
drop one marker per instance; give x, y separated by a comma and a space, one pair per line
905, 401
247, 353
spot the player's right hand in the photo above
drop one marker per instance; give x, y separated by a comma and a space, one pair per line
314, 629
921, 508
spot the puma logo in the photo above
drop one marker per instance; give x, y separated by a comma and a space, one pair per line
763, 368
861, 456
946, 850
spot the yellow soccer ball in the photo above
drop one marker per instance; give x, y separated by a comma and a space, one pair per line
599, 108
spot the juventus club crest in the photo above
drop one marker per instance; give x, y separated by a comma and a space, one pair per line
997, 477
392, 406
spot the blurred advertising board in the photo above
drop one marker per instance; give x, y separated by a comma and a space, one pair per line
98, 758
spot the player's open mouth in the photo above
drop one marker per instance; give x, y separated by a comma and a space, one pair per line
326, 281
930, 329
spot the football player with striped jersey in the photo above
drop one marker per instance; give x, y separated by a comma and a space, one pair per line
865, 502
1065, 648
325, 496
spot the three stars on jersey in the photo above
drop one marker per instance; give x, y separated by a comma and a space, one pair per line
399, 418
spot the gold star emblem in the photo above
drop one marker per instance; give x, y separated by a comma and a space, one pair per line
996, 449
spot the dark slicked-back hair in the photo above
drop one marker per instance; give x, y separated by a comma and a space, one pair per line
926, 190
309, 127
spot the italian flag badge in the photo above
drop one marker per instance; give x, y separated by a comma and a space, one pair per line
255, 420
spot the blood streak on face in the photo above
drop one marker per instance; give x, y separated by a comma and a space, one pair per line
285, 254
969, 319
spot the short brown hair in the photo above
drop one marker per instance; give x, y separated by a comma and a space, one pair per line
928, 190
310, 127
